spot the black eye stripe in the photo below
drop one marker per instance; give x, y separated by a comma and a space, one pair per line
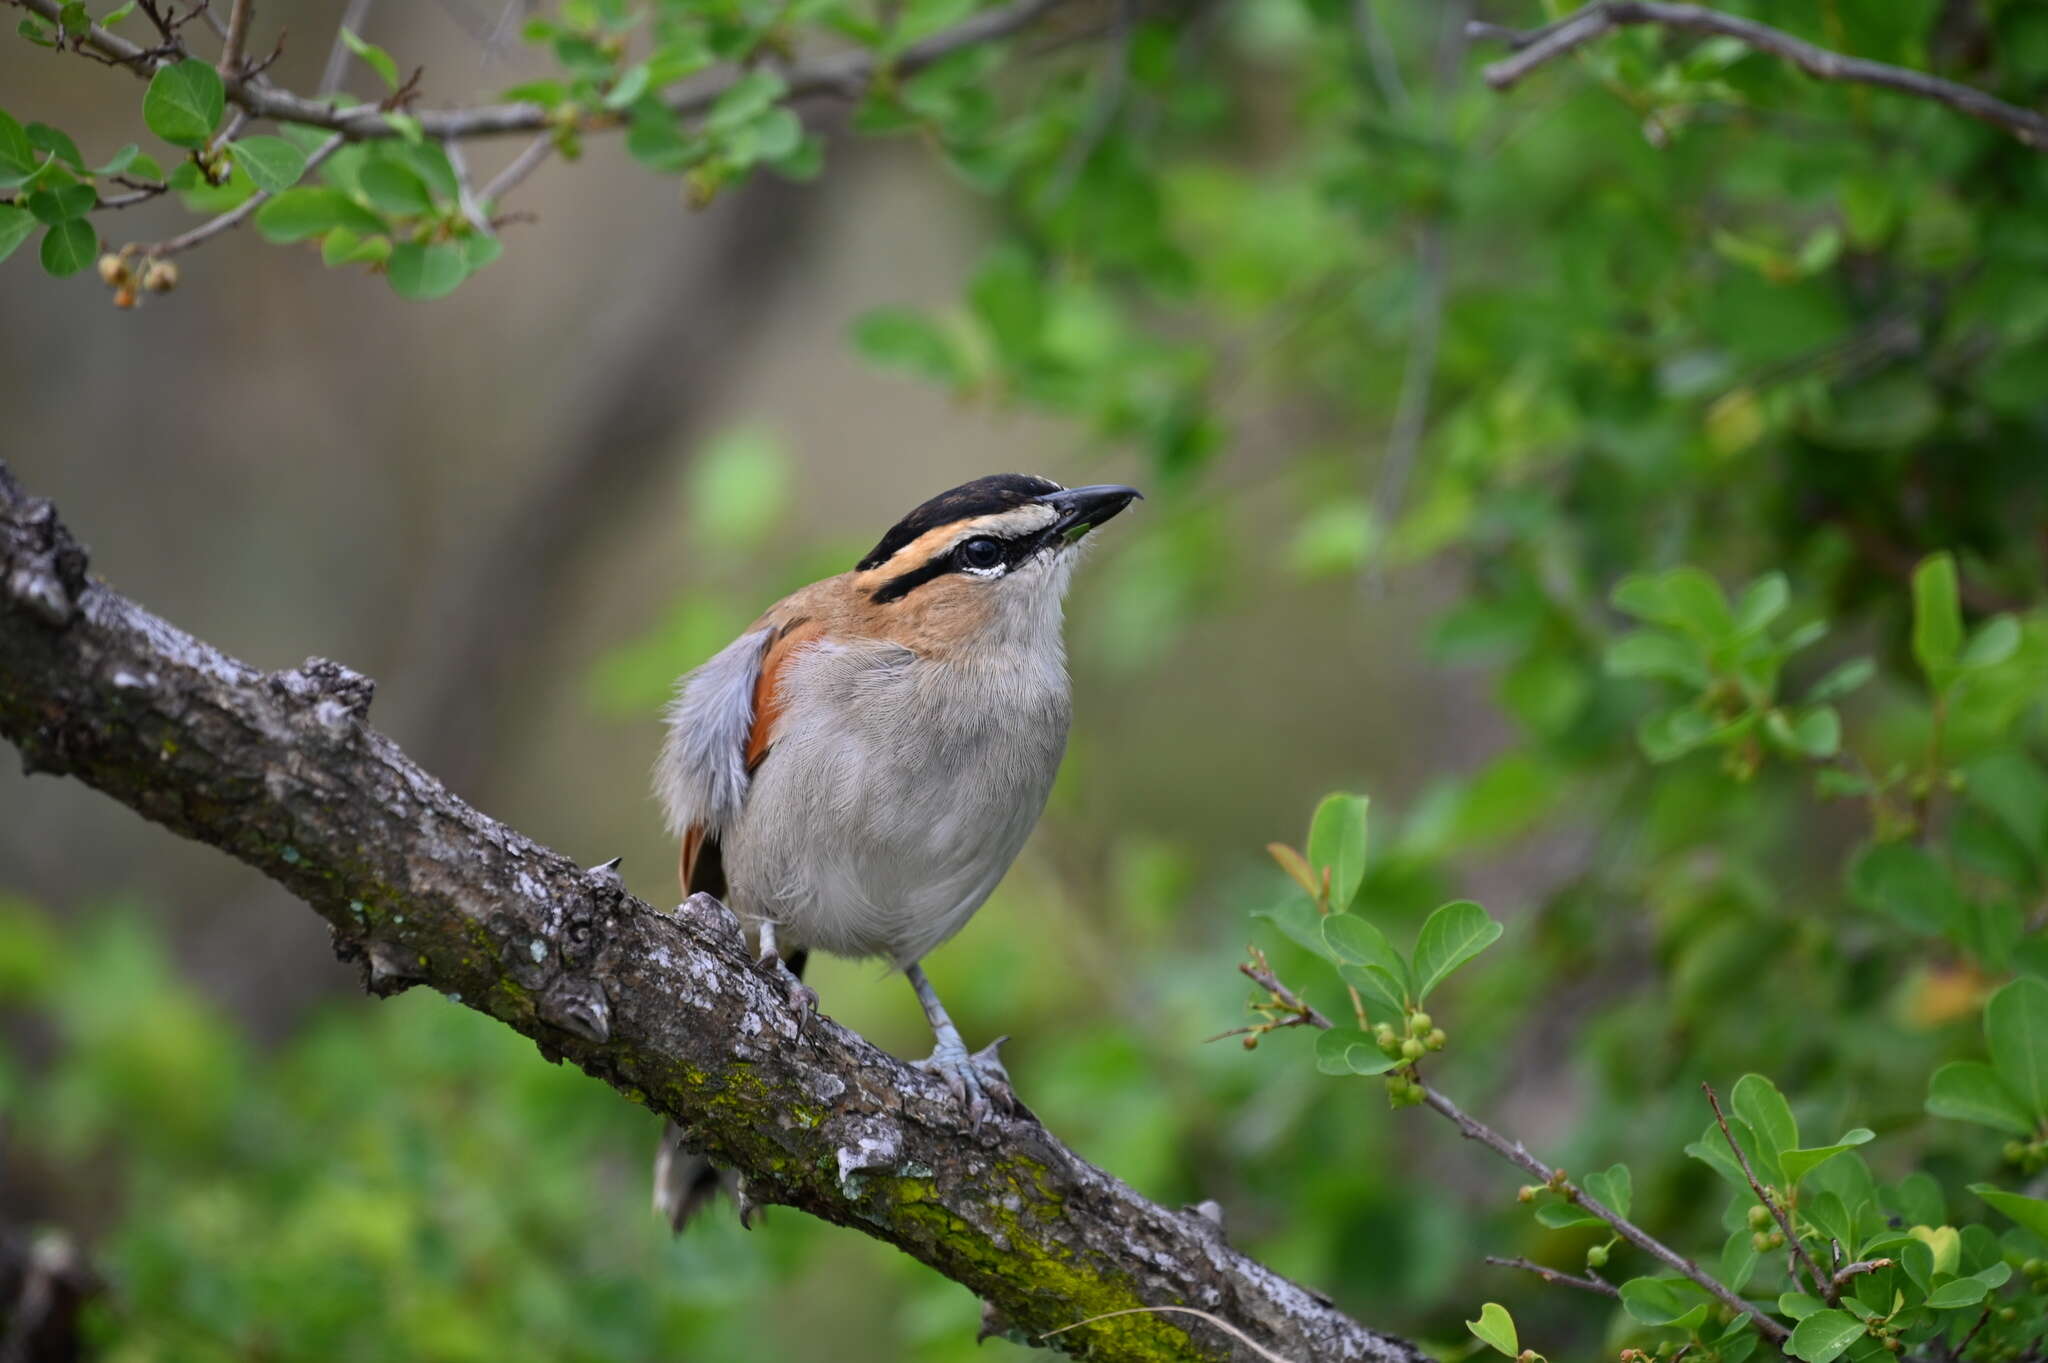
1009, 553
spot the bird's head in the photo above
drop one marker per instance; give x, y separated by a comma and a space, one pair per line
988, 559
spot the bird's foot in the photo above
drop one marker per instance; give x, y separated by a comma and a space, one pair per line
801, 998
978, 1080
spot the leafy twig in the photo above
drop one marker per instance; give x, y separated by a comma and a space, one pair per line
1535, 47
1821, 1282
1589, 1283
234, 217
1516, 1154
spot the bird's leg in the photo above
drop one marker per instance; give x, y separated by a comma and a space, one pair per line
800, 996
977, 1079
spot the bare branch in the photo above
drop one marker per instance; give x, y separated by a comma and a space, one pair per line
521, 166
1589, 1283
235, 39
282, 771
332, 74
1821, 1283
235, 216
1535, 47
843, 74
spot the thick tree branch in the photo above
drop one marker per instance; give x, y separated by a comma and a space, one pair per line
1535, 47
843, 73
280, 770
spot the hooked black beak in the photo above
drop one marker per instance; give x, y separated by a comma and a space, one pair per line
1083, 508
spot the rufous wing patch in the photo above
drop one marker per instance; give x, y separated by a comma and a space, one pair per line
769, 700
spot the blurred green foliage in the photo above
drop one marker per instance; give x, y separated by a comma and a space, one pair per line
1721, 396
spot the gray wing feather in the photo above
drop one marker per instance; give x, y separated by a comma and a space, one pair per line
701, 776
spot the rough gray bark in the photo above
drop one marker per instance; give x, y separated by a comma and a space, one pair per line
280, 770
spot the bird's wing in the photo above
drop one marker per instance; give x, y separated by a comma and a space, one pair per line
721, 727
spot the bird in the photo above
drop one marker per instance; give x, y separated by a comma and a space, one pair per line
856, 771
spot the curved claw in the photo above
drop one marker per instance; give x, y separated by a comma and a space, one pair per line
979, 1080
801, 998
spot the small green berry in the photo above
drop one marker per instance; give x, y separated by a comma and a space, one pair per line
1759, 1218
1760, 1242
1596, 1257
2014, 1152
1387, 1039
1527, 1193
1436, 1039
1419, 1024
1411, 1049
1777, 1239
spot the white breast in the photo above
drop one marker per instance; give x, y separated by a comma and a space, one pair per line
898, 792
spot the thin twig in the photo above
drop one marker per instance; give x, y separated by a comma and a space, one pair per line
1861, 1266
1535, 47
1783, 1217
1225, 1326
235, 39
521, 166
1982, 1316
1386, 71
1589, 1283
1514, 1153
336, 71
465, 188
234, 217
844, 74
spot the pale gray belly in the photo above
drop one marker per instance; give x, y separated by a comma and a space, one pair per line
894, 801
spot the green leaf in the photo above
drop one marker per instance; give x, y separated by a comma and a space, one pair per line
1799, 1305
1763, 601
2016, 1026
1336, 844
1297, 918
1347, 1050
184, 103
1564, 1215
1613, 1187
314, 211
750, 97
2012, 787
1451, 936
1496, 1329
1830, 1216
1993, 643
422, 273
1663, 1301
1958, 1293
121, 160
374, 57
1653, 653
1682, 598
1712, 1149
16, 226
1905, 883
1841, 680
272, 163
2030, 1212
1373, 964
343, 247
1937, 619
1739, 1259
17, 157
63, 203
57, 142
904, 339
1757, 1101
69, 247
1970, 1091
738, 489
1797, 1164
1824, 1336
396, 189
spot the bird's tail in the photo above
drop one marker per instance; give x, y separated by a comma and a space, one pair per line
685, 1181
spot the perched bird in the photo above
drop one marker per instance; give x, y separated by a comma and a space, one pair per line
857, 770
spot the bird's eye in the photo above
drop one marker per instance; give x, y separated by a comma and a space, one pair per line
981, 552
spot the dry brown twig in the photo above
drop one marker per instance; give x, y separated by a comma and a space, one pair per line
1592, 1282
1536, 47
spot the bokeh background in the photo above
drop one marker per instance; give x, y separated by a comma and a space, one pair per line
1668, 303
